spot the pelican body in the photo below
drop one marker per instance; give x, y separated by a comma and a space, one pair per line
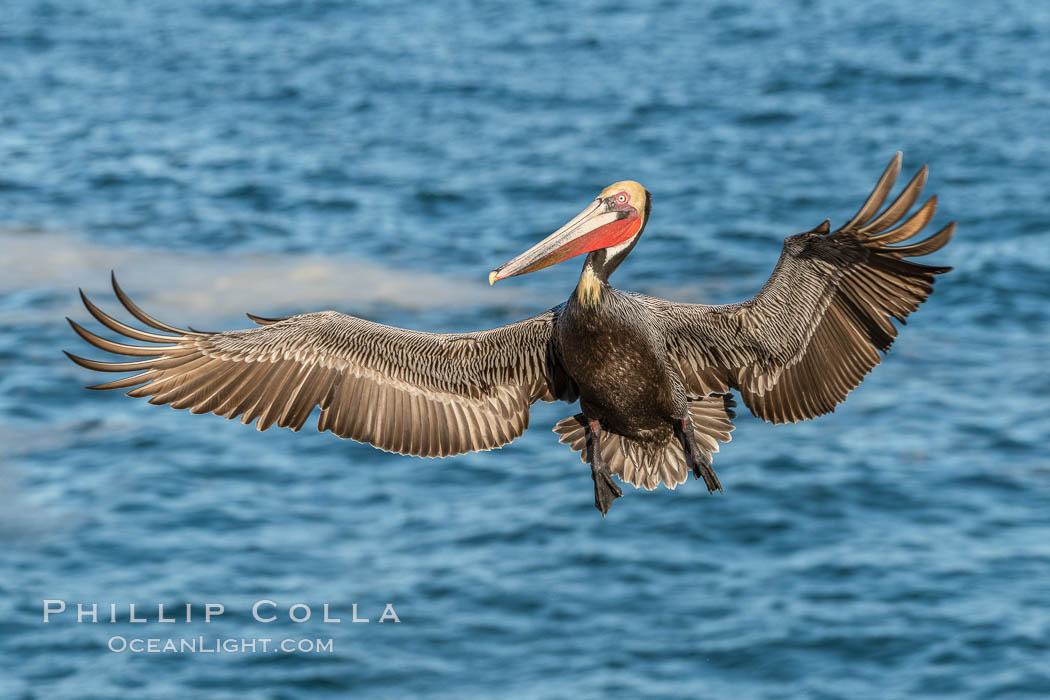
654, 378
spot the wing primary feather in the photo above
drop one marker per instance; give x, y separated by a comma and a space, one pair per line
926, 246
142, 315
126, 382
878, 195
114, 366
915, 223
265, 321
900, 206
118, 327
120, 348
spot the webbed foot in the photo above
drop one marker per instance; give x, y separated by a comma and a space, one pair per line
703, 470
605, 490
697, 460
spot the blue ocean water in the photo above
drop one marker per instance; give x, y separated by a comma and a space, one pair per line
380, 158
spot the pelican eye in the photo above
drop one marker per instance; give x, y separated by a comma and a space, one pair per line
621, 198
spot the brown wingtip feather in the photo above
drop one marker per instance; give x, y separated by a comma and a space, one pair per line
878, 231
83, 362
879, 193
141, 315
265, 321
125, 383
926, 246
915, 223
118, 348
900, 206
112, 366
122, 328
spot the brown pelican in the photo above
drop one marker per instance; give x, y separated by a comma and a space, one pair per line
653, 377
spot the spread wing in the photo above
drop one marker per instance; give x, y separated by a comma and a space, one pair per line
426, 394
798, 347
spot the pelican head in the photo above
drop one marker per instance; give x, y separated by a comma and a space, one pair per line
612, 223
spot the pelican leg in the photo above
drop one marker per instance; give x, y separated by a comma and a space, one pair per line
695, 458
605, 489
